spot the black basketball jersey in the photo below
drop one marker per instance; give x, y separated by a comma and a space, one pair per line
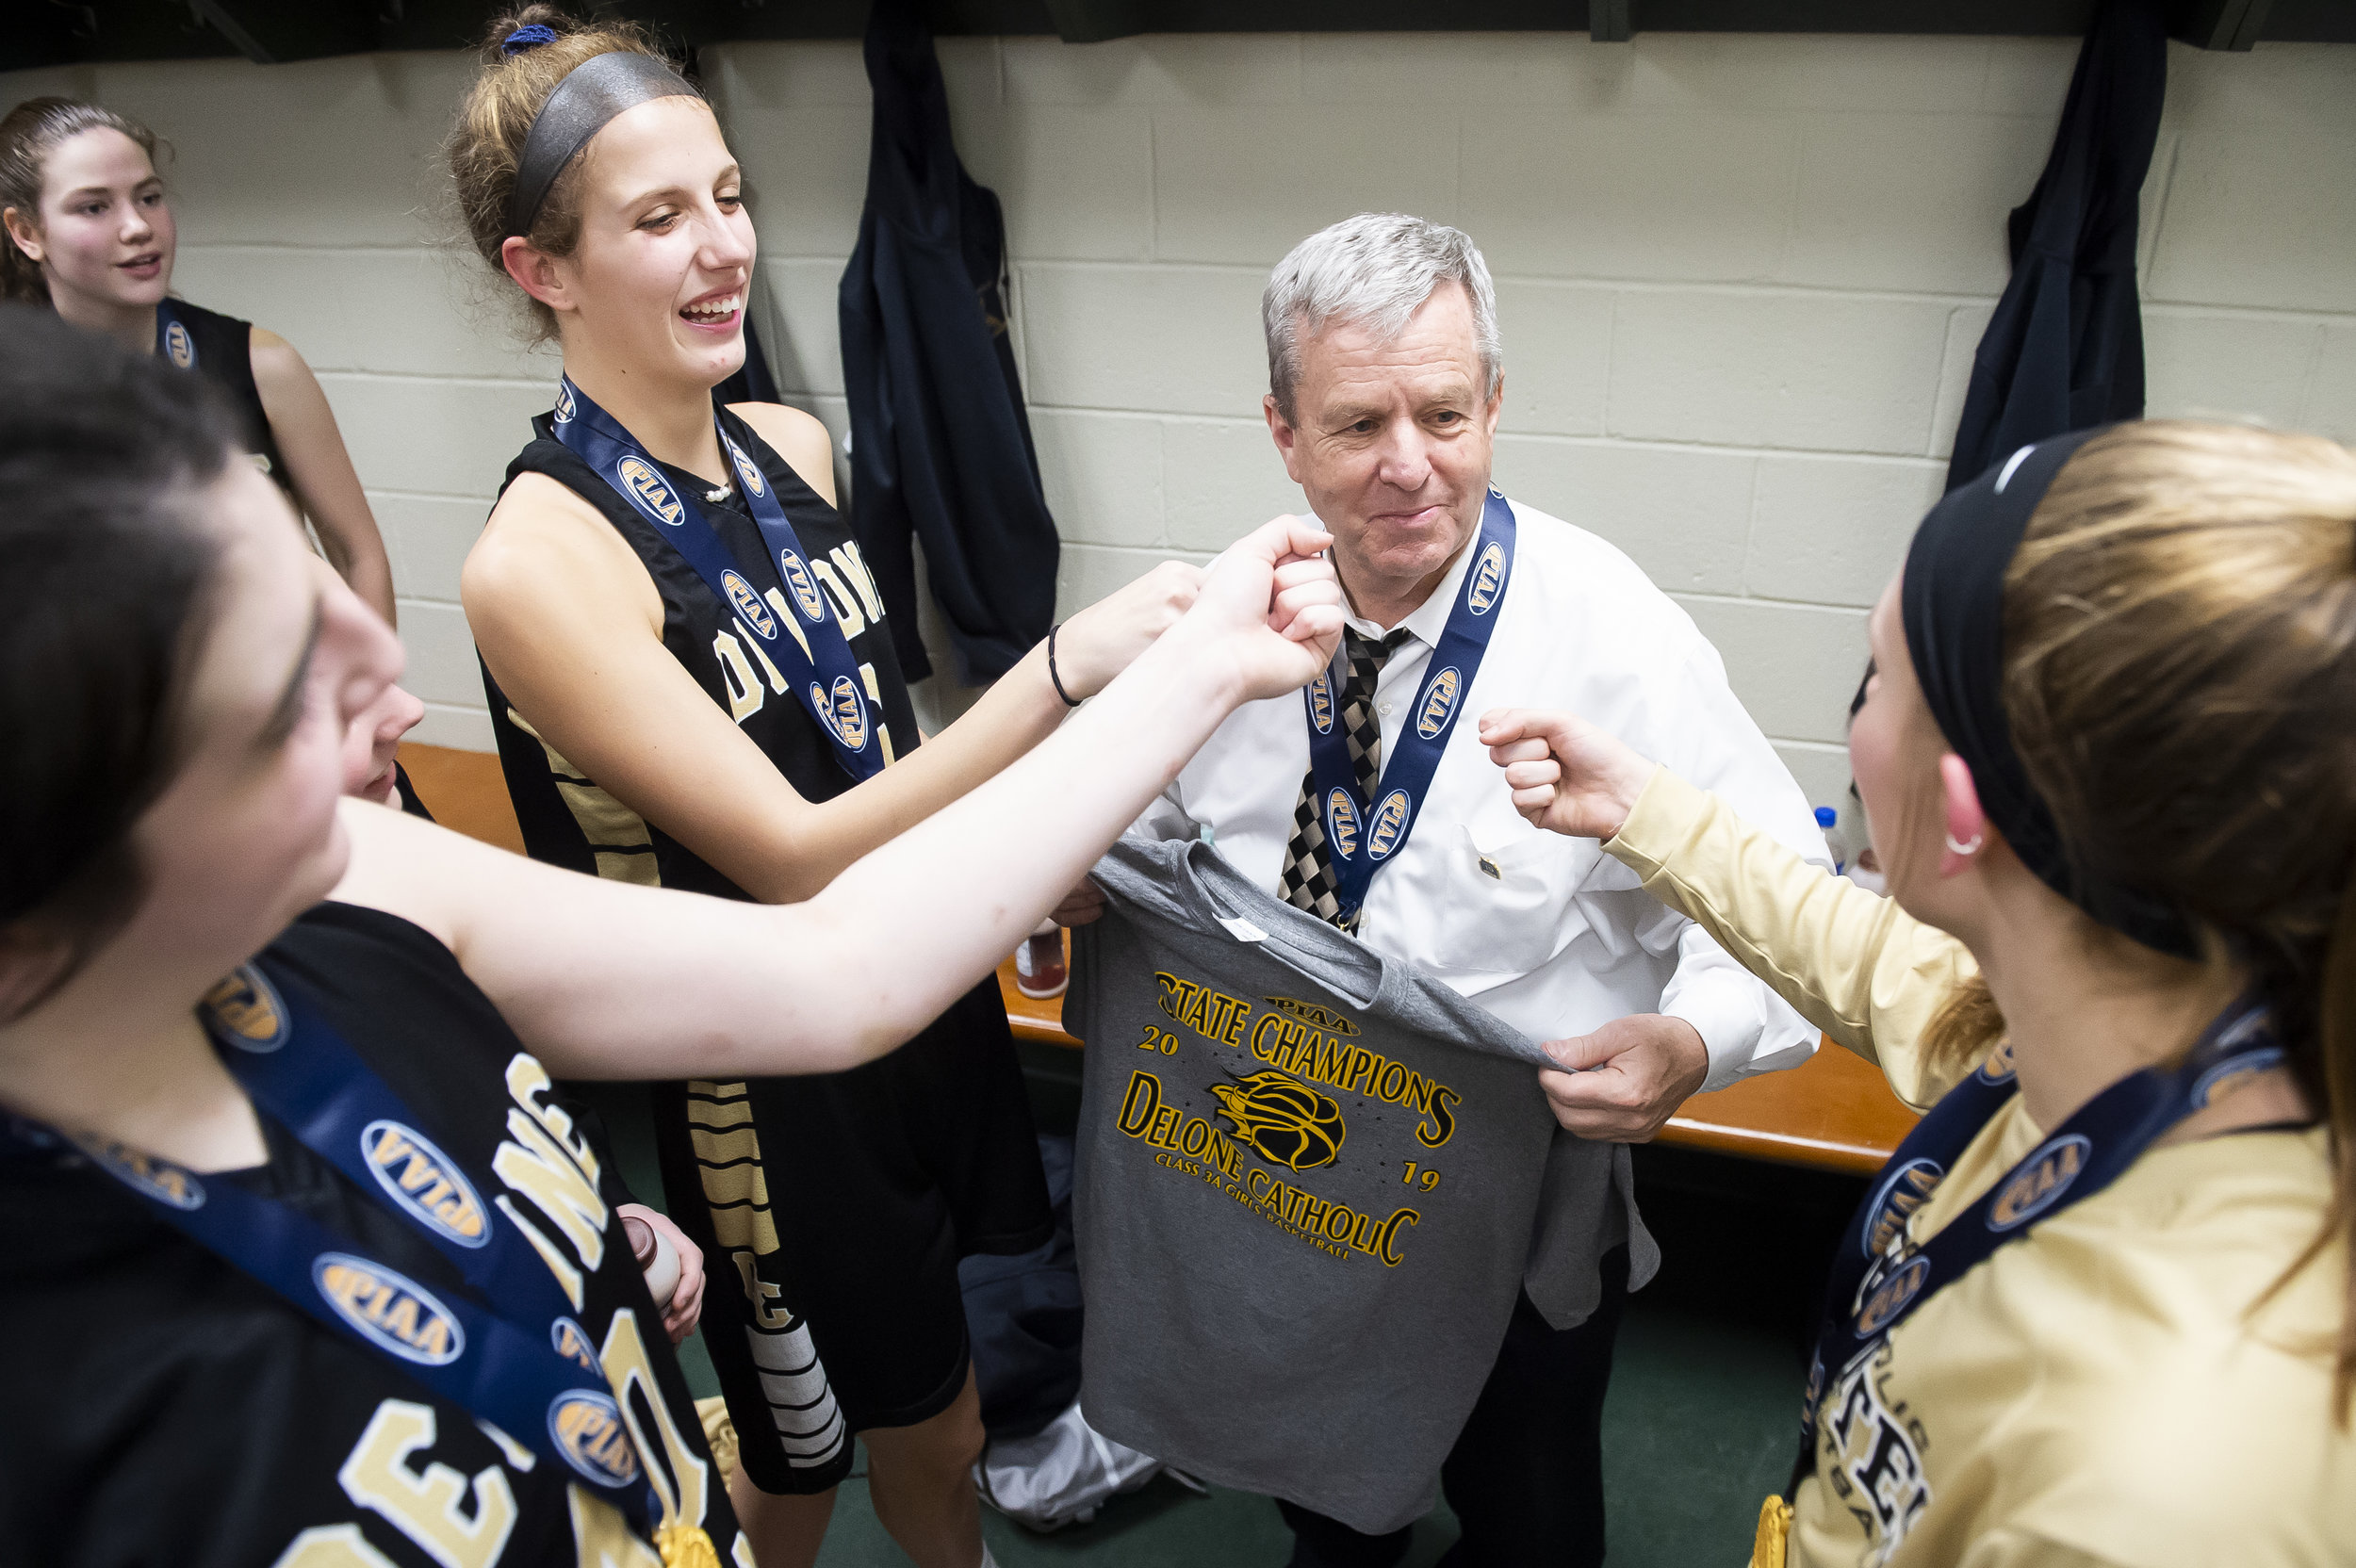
224, 348
160, 1405
567, 819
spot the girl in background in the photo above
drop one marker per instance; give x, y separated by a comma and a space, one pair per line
91, 234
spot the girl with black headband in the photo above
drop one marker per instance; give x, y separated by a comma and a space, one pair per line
2099, 1308
91, 234
306, 1263
692, 687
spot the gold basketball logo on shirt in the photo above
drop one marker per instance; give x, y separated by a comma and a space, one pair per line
1341, 823
641, 483
388, 1310
1390, 822
802, 586
1891, 1297
587, 1428
755, 483
1284, 1119
572, 1342
845, 715
748, 605
1321, 703
1439, 701
424, 1181
2043, 1177
244, 1010
180, 346
1487, 579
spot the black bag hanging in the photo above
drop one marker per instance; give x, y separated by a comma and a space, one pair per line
940, 450
2065, 348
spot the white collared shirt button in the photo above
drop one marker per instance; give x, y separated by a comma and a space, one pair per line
1383, 709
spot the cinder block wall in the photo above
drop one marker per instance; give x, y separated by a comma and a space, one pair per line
1740, 280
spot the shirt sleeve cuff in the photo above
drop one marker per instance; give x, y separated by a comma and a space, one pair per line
1727, 1018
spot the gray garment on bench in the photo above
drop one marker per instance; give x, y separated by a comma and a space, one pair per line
1276, 1301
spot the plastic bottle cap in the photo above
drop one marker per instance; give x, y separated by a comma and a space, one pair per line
1827, 816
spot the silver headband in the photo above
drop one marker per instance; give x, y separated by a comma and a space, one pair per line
590, 94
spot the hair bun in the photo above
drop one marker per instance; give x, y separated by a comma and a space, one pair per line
531, 36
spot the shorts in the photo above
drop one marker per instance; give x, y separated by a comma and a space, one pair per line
833, 1211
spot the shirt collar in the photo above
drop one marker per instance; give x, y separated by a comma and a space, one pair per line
1430, 618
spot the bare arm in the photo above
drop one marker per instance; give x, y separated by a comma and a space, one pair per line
324, 481
607, 980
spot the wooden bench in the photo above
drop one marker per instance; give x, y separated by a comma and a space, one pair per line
1834, 1114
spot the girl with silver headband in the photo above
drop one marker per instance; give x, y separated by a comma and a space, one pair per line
685, 663
2099, 1308
306, 1263
91, 234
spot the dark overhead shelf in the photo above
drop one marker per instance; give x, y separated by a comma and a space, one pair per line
68, 32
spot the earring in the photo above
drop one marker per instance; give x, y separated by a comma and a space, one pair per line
1972, 848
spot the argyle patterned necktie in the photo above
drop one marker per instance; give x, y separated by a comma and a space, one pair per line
1308, 881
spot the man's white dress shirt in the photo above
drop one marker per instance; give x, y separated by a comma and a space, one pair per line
1548, 933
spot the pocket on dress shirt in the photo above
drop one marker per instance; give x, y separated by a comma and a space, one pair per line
1509, 900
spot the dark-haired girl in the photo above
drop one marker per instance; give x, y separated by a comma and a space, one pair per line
91, 234
306, 1266
692, 688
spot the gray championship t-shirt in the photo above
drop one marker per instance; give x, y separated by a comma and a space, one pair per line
1309, 1188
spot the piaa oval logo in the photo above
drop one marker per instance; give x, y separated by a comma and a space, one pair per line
160, 1180
844, 713
245, 1010
587, 1429
798, 584
1488, 579
1439, 701
1390, 822
1906, 1189
180, 346
572, 1342
1998, 1068
748, 605
2043, 1177
1341, 823
1891, 1297
424, 1181
565, 405
1321, 703
389, 1309
642, 484
2233, 1074
755, 483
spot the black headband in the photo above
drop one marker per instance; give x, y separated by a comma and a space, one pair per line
1952, 603
592, 93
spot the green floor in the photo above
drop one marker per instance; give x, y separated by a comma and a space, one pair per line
1698, 1426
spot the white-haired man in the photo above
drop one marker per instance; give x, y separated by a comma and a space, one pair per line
1385, 383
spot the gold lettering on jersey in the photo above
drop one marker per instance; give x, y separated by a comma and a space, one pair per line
601, 1537
736, 673
459, 1522
853, 568
332, 1546
568, 1277
848, 607
1870, 1450
545, 1160
683, 1480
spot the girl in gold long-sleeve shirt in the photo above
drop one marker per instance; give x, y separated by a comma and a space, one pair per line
2158, 1374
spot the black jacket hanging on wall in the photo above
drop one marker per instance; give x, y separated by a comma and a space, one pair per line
940, 450
2065, 348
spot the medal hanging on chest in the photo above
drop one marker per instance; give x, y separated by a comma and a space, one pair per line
1362, 835
520, 1363
1881, 1276
791, 624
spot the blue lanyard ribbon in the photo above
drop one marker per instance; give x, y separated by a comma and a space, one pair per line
1361, 837
525, 1368
1880, 1277
802, 635
171, 338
